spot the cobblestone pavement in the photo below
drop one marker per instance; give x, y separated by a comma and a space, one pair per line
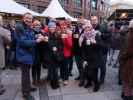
109, 91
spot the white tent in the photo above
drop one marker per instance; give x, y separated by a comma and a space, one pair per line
55, 10
10, 6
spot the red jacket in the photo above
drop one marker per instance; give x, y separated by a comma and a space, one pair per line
67, 50
45, 29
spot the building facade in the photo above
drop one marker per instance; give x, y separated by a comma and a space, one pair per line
75, 8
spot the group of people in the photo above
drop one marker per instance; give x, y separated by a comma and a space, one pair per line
57, 45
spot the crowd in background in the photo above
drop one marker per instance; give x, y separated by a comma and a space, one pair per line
56, 44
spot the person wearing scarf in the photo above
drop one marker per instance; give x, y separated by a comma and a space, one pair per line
90, 45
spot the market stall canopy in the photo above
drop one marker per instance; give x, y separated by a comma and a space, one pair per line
122, 14
10, 6
121, 8
125, 4
55, 10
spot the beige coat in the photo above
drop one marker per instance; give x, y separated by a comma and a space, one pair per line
5, 39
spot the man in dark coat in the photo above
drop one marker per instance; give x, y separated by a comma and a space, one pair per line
104, 49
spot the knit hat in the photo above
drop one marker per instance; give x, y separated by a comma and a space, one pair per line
52, 25
131, 24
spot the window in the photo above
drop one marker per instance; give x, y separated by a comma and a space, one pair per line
77, 14
94, 4
64, 2
77, 3
40, 9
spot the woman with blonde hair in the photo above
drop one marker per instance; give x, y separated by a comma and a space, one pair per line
90, 45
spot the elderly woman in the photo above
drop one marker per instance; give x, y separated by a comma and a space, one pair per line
5, 39
127, 66
90, 42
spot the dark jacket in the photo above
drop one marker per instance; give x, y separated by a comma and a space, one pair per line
76, 48
123, 47
39, 49
13, 37
106, 37
51, 56
115, 41
25, 43
92, 53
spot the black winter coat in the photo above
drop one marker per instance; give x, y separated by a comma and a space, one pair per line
76, 50
106, 37
51, 56
92, 53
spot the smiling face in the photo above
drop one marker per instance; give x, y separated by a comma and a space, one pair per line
27, 18
63, 28
87, 26
36, 25
52, 29
94, 20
